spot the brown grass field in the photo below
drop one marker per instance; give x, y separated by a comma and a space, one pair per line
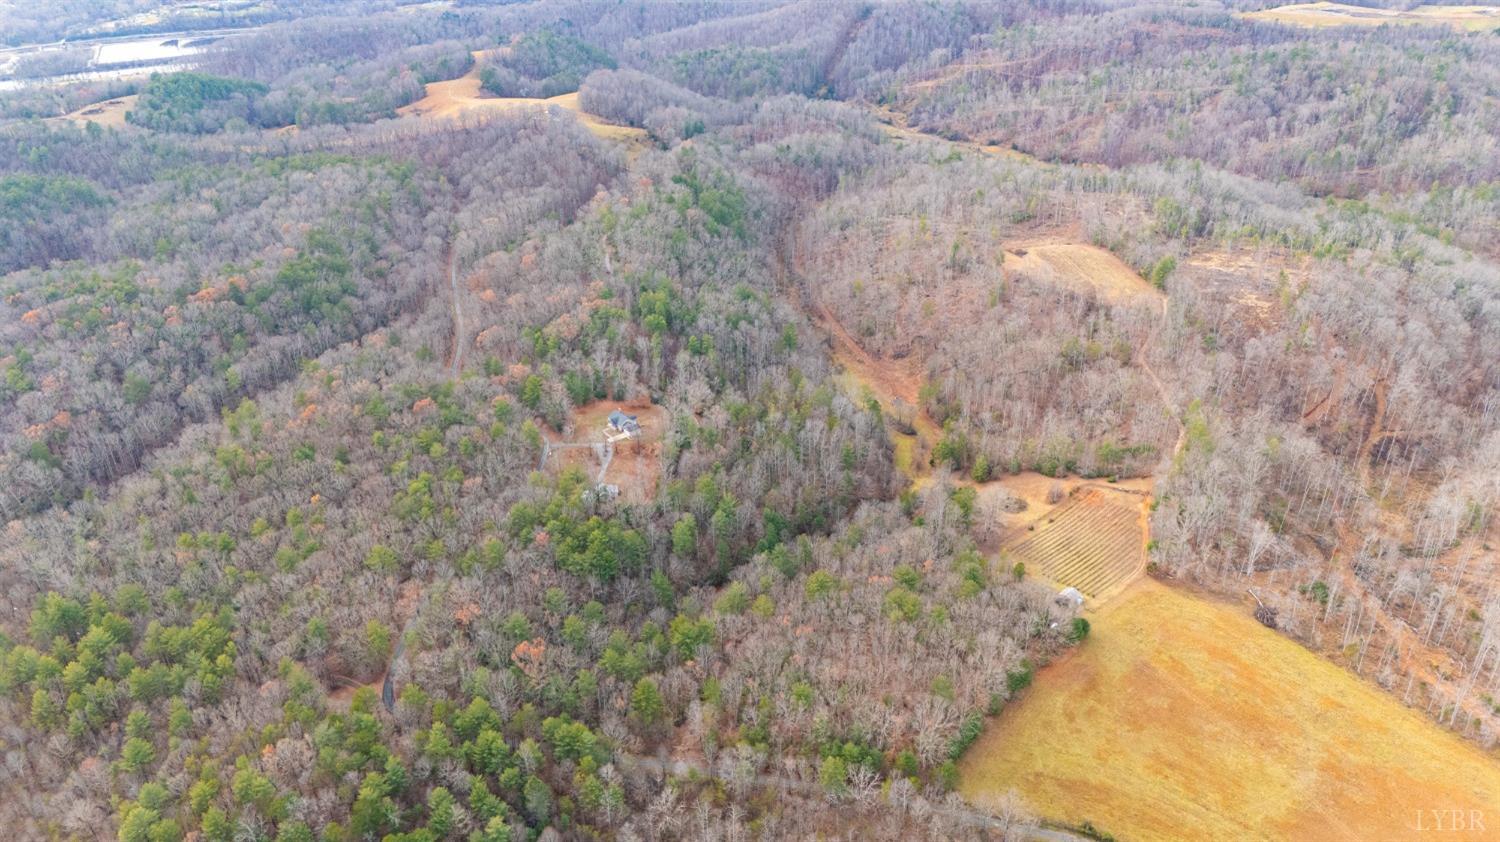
1182, 718
463, 96
109, 114
1080, 266
1474, 18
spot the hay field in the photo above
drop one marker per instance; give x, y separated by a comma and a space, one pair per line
1183, 718
463, 95
109, 114
1080, 266
1473, 18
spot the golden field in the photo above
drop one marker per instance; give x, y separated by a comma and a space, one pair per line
1183, 718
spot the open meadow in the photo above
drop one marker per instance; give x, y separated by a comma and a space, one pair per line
1182, 718
464, 96
1472, 18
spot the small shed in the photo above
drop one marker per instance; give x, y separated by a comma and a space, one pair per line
1069, 597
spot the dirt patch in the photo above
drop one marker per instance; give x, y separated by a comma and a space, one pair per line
463, 96
1034, 489
1079, 266
342, 696
1183, 718
109, 114
1247, 285
1473, 18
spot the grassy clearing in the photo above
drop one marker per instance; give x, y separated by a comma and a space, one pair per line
636, 464
1080, 266
1473, 18
110, 113
885, 381
1182, 718
456, 97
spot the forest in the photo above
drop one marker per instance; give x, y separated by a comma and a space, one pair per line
307, 531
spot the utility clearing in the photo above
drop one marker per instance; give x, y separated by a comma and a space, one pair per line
463, 95
1472, 18
1183, 718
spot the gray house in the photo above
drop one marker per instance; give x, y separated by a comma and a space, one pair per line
620, 423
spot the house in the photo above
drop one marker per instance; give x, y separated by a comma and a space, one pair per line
622, 426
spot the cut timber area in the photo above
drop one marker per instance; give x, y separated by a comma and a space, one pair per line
1183, 718
1475, 18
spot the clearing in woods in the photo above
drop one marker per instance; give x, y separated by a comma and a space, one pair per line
894, 123
1095, 541
109, 113
463, 96
1183, 718
1475, 18
1081, 267
865, 377
634, 465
